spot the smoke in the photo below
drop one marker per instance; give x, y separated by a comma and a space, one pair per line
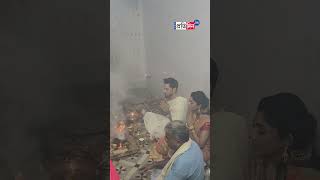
122, 88
118, 90
118, 93
127, 56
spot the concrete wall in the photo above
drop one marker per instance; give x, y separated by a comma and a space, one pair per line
126, 39
127, 54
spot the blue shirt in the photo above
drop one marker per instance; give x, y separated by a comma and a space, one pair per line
188, 166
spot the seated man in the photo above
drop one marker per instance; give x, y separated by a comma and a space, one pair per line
175, 106
186, 160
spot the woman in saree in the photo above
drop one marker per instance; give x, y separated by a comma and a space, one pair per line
283, 135
198, 122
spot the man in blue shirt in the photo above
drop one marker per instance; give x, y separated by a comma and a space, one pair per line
186, 162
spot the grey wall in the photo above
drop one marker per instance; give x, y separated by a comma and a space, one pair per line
127, 53
143, 43
127, 40
180, 54
264, 47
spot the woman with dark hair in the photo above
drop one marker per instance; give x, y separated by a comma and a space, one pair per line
283, 135
198, 121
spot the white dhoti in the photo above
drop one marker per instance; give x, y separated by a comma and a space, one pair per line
155, 124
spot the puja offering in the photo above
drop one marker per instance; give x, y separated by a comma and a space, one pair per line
121, 131
133, 115
131, 144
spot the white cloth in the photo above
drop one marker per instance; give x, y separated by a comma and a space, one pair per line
155, 124
182, 149
178, 108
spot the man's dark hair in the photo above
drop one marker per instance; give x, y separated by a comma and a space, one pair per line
172, 82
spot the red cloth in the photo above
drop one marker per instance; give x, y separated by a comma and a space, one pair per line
162, 146
113, 172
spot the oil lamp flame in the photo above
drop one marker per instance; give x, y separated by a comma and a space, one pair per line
132, 115
120, 127
120, 146
120, 130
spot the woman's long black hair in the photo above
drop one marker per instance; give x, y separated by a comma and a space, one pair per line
201, 99
289, 115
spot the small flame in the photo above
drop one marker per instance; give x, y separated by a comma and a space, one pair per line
133, 115
120, 146
121, 127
